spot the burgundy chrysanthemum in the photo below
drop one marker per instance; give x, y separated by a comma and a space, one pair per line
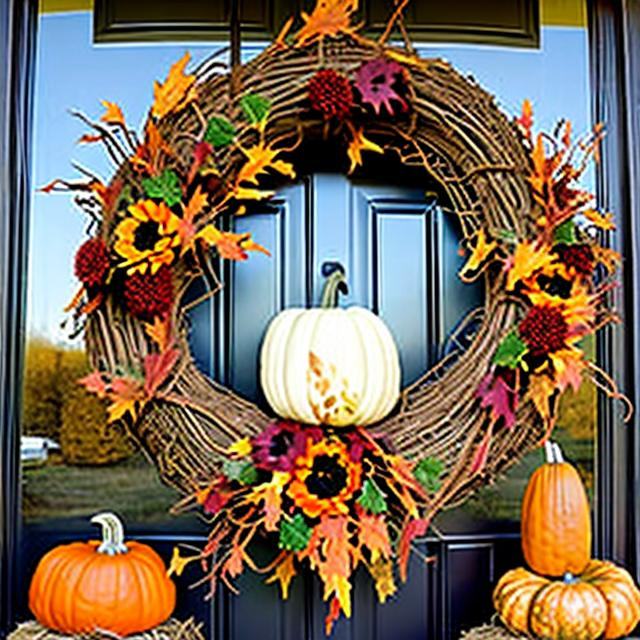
577, 256
544, 329
330, 93
92, 262
149, 295
278, 446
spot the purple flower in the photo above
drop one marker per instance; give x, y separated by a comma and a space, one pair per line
278, 446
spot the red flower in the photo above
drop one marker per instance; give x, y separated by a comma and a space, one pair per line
544, 329
149, 295
278, 446
92, 262
330, 93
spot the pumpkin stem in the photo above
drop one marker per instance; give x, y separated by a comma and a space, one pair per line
112, 534
336, 282
553, 453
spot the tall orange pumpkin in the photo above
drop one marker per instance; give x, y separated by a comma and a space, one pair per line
109, 585
556, 522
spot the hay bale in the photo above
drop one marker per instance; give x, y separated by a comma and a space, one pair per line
170, 630
493, 631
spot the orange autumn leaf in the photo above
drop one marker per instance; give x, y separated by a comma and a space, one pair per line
541, 389
94, 383
375, 536
187, 229
359, 144
283, 574
179, 563
89, 138
176, 92
124, 393
149, 156
479, 253
609, 258
113, 113
568, 365
601, 220
527, 258
232, 246
328, 18
526, 118
260, 158
160, 331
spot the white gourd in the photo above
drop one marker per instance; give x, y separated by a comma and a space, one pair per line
328, 365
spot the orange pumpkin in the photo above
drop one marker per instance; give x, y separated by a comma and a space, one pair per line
109, 585
621, 594
556, 522
602, 602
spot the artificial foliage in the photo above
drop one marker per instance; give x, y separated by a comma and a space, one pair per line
216, 144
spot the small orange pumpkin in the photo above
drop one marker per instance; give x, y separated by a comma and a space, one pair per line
108, 585
556, 522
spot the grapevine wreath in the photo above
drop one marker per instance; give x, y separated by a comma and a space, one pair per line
333, 494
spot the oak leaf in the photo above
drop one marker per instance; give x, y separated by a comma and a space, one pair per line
260, 158
359, 144
284, 574
176, 91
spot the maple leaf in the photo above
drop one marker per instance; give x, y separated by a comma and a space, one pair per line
113, 113
186, 227
375, 536
328, 18
94, 383
526, 118
359, 144
565, 233
161, 332
428, 472
234, 564
540, 391
568, 365
256, 109
260, 158
157, 367
528, 258
414, 528
372, 499
382, 573
124, 393
601, 220
481, 454
284, 574
295, 533
220, 132
480, 252
232, 246
177, 91
495, 394
240, 448
510, 351
375, 80
165, 186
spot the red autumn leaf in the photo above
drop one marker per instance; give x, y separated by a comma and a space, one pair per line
375, 80
482, 452
497, 395
94, 383
157, 367
214, 502
412, 530
526, 118
111, 194
332, 616
200, 154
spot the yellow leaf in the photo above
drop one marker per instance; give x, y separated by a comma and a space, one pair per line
328, 18
232, 246
113, 113
120, 407
160, 331
260, 158
527, 258
382, 573
568, 365
359, 144
541, 388
601, 220
242, 193
479, 254
241, 448
178, 563
283, 574
176, 92
609, 258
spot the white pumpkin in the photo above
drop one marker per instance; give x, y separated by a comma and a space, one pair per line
330, 366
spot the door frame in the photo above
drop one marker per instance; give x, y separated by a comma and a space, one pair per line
614, 36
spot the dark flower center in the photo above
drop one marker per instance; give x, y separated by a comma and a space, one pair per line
280, 444
327, 478
146, 235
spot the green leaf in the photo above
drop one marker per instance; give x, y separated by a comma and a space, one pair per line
166, 186
220, 132
294, 533
240, 470
510, 351
255, 107
565, 233
372, 499
427, 472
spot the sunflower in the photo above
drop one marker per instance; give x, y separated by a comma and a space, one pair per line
147, 237
325, 478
